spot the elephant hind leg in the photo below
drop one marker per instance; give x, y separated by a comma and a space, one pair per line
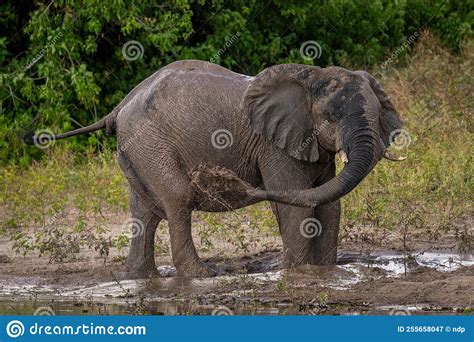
167, 192
141, 258
185, 257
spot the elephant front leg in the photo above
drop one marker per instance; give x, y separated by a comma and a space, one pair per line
325, 244
328, 216
309, 235
141, 257
297, 245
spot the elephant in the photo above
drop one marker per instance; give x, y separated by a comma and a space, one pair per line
278, 131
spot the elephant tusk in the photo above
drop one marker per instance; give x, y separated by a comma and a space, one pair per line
343, 156
388, 155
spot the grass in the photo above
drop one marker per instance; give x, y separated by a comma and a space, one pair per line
38, 202
432, 89
44, 191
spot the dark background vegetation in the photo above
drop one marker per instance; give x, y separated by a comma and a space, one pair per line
83, 73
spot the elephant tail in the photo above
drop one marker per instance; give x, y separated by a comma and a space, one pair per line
107, 123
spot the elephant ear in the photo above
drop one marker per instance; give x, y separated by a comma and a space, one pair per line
390, 120
279, 108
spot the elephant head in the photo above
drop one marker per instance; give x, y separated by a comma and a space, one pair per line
302, 109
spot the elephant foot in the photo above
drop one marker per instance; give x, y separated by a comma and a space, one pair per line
326, 259
141, 271
142, 274
293, 265
198, 270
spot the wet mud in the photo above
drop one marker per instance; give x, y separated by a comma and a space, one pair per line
382, 282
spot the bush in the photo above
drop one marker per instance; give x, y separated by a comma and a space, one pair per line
62, 63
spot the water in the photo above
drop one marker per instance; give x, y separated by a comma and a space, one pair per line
177, 296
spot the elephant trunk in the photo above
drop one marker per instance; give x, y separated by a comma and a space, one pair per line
363, 150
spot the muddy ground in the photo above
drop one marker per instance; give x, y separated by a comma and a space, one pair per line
432, 277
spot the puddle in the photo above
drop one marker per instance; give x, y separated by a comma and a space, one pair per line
170, 295
396, 265
176, 307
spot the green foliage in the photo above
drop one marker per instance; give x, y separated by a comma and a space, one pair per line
61, 244
121, 241
242, 230
451, 20
62, 64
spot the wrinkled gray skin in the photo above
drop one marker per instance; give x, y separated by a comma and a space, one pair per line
287, 124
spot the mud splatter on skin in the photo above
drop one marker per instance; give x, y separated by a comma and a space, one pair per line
214, 185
